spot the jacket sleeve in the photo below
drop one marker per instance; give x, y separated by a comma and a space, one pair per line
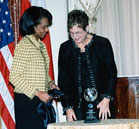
16, 73
112, 70
63, 78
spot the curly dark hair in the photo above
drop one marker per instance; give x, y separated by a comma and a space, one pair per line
31, 18
77, 17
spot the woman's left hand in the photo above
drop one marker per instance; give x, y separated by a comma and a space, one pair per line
104, 111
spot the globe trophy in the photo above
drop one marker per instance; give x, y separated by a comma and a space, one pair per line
90, 95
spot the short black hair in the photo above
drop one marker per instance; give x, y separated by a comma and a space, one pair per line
31, 18
77, 17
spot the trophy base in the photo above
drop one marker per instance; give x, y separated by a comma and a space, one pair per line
92, 121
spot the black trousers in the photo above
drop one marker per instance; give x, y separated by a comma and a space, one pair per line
26, 115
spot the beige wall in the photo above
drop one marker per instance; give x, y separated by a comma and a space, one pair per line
58, 31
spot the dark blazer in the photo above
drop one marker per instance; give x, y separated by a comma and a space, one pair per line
103, 64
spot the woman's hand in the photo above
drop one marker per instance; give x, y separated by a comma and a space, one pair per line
104, 111
70, 115
43, 96
53, 86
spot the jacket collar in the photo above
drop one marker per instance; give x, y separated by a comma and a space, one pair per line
87, 46
37, 43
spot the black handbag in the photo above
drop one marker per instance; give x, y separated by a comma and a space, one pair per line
47, 109
48, 112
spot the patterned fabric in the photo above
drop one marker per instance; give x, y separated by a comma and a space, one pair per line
103, 66
30, 68
7, 116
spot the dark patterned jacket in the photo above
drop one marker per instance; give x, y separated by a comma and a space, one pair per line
100, 55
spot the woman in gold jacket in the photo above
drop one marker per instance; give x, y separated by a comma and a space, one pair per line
30, 69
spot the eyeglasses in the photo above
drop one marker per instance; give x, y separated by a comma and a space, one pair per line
78, 33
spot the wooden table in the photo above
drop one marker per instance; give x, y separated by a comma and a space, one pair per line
104, 124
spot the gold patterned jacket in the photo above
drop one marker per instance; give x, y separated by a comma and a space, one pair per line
30, 67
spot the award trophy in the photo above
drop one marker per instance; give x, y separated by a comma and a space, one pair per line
90, 95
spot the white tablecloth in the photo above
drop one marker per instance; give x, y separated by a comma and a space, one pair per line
104, 124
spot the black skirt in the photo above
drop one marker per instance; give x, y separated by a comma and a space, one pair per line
26, 114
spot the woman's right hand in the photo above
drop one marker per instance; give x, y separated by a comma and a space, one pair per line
54, 86
70, 115
44, 96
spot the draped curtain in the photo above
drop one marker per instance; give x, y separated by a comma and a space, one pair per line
14, 6
90, 7
118, 20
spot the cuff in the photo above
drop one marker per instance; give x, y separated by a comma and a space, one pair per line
51, 82
107, 96
70, 107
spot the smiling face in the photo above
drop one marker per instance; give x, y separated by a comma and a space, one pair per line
78, 34
41, 29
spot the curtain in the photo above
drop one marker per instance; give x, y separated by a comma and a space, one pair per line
90, 7
118, 20
14, 6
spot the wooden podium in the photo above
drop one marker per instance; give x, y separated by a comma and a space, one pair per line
127, 97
